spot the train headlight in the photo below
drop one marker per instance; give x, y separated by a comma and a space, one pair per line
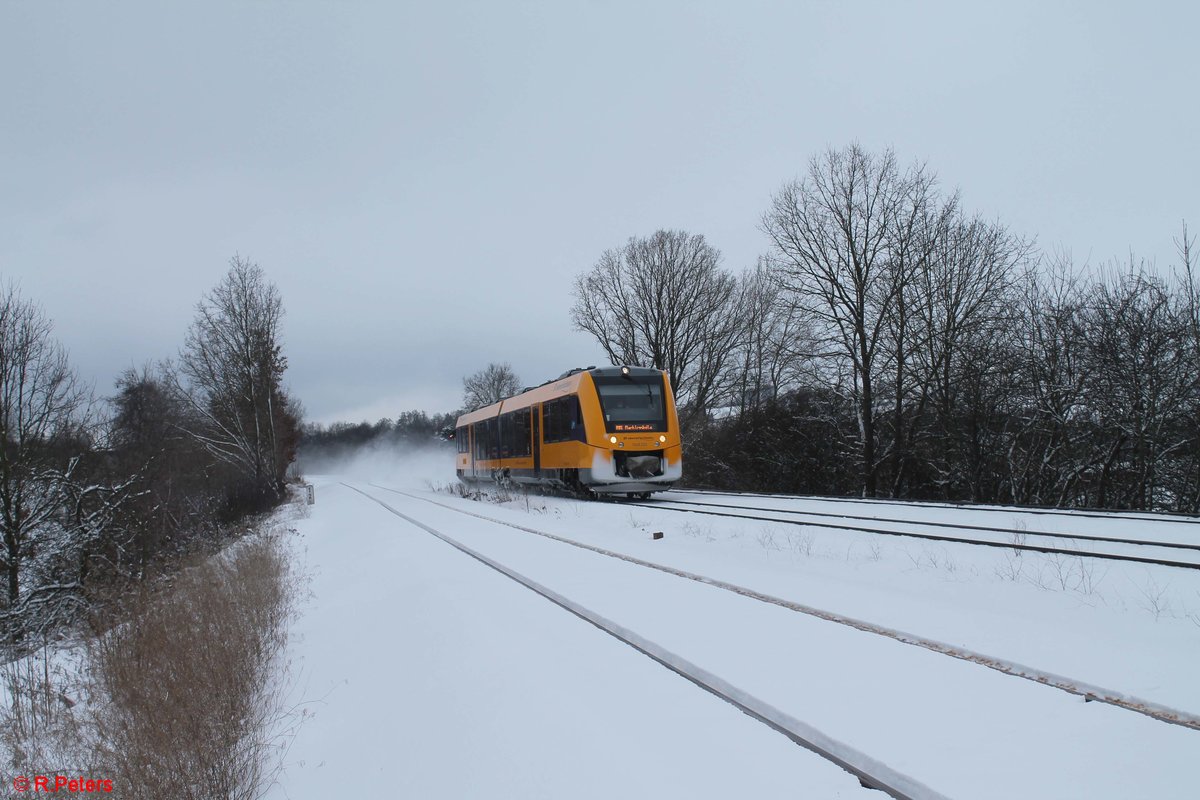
662, 437
612, 439
624, 370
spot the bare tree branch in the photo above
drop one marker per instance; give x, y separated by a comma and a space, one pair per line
491, 384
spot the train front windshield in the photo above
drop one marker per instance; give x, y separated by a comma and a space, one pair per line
632, 404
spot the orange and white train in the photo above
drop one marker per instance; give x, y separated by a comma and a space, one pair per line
609, 431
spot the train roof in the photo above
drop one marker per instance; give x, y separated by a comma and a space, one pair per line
567, 383
616, 372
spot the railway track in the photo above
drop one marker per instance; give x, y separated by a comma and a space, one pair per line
1188, 558
1089, 692
1138, 516
870, 772
1192, 545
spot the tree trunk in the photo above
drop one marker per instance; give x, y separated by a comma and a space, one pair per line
867, 429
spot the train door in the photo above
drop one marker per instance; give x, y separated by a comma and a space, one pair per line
536, 410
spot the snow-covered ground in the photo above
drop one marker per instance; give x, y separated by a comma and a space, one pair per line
432, 675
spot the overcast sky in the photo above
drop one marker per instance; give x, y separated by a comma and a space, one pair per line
424, 181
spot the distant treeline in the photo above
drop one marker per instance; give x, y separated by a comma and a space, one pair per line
324, 448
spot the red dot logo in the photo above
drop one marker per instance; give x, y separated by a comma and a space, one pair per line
21, 783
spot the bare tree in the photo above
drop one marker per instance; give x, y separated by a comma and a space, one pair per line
848, 238
664, 302
1189, 281
1046, 448
233, 365
148, 438
776, 342
962, 302
490, 385
1141, 374
921, 222
42, 408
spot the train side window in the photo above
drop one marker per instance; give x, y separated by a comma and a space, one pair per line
514, 434
564, 422
576, 419
552, 414
481, 439
487, 443
525, 448
520, 433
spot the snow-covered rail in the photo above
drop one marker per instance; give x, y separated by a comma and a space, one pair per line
1168, 517
1189, 528
1188, 556
870, 772
1088, 691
